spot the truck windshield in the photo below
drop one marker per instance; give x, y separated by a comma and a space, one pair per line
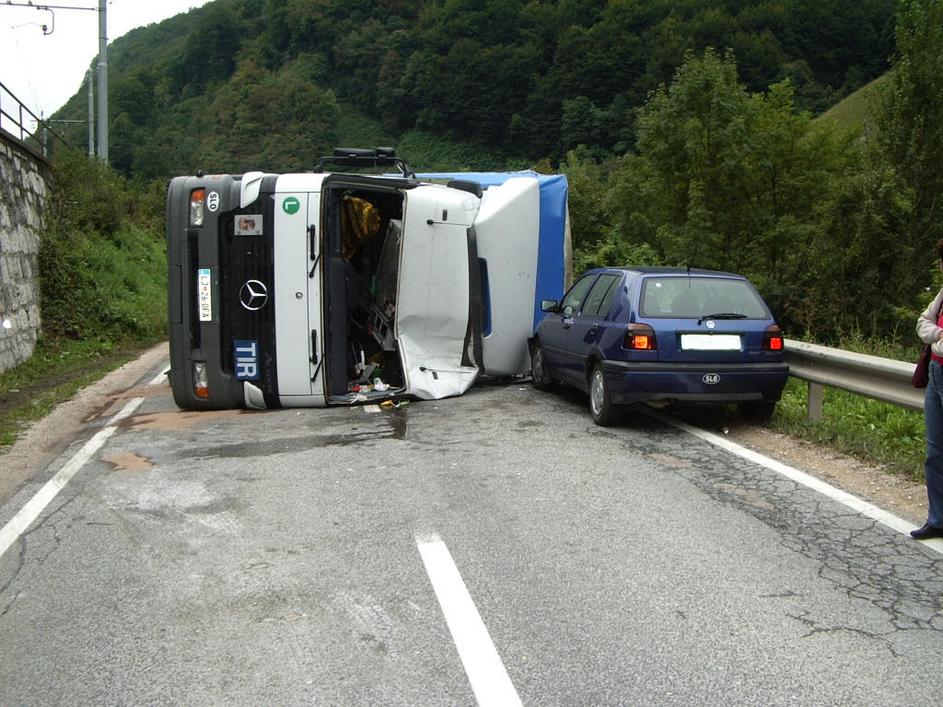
384, 295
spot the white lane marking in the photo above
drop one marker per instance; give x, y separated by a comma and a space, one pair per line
483, 665
861, 506
127, 410
30, 512
18, 524
160, 377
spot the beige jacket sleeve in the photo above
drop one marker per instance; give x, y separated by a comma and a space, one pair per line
927, 329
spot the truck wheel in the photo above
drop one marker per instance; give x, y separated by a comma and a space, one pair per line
601, 407
538, 368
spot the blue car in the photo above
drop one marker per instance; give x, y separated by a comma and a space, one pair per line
626, 335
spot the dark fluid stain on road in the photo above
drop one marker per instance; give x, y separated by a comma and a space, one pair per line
289, 445
178, 420
399, 424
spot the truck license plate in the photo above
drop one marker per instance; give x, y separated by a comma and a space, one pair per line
204, 288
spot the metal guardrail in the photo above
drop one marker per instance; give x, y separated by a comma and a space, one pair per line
880, 378
14, 119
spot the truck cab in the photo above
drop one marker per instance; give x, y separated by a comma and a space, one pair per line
333, 287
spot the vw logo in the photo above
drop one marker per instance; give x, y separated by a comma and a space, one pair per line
711, 324
710, 378
253, 295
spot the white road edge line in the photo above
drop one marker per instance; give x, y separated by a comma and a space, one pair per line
17, 525
127, 410
486, 673
24, 518
851, 501
160, 377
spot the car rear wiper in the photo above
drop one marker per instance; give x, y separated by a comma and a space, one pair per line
722, 315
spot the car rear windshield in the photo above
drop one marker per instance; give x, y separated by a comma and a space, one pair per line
693, 297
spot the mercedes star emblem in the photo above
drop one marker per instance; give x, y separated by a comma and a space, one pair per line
253, 295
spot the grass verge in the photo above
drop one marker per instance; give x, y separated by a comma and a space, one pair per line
56, 371
874, 432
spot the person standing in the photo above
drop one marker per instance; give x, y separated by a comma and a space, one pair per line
930, 331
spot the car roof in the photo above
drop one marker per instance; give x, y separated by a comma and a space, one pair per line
664, 270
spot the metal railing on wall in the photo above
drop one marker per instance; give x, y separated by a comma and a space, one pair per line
21, 123
883, 379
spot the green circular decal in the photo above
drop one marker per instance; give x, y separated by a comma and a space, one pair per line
291, 205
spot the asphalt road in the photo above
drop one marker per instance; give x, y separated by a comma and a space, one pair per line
301, 556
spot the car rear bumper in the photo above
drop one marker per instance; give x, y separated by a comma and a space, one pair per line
635, 382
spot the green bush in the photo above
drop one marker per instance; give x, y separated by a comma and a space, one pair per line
102, 260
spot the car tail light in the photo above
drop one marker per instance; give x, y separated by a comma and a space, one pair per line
200, 387
197, 199
640, 337
773, 338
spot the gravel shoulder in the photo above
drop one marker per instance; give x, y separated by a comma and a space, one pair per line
893, 493
49, 437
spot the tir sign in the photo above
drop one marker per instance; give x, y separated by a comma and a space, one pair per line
246, 355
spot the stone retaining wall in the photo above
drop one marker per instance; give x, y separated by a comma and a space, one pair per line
23, 187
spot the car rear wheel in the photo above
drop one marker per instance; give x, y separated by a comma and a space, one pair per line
757, 410
538, 368
601, 407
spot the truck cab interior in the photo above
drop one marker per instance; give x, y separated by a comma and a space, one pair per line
361, 244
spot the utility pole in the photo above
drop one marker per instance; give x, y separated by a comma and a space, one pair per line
102, 66
91, 113
103, 81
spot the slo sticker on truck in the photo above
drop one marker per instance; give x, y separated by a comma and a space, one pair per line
204, 289
246, 359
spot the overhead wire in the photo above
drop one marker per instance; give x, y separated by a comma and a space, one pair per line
37, 106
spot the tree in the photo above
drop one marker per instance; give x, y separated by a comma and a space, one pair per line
209, 55
693, 134
730, 180
910, 130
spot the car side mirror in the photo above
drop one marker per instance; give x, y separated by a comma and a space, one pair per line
549, 305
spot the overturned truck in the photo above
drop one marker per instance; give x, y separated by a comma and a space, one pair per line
335, 287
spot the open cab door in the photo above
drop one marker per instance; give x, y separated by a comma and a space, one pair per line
433, 311
396, 289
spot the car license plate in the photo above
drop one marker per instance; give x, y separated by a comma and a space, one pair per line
246, 363
710, 342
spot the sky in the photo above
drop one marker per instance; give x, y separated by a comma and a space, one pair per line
45, 71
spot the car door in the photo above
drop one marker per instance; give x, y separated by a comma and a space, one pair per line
587, 325
554, 330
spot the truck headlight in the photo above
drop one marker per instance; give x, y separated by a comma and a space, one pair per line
200, 387
197, 199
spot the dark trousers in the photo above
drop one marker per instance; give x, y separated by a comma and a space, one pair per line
933, 466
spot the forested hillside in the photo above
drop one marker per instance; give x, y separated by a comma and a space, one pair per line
686, 128
244, 84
